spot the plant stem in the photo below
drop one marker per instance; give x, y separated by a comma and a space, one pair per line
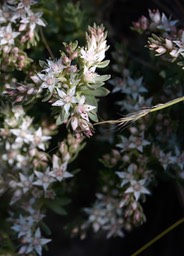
144, 247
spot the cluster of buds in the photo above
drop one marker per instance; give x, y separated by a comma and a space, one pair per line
173, 47
19, 92
155, 22
168, 40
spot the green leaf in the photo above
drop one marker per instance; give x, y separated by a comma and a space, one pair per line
42, 63
58, 120
45, 228
93, 116
55, 206
103, 64
99, 92
57, 209
48, 95
102, 78
91, 100
94, 85
64, 201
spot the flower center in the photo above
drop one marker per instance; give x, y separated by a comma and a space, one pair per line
136, 187
59, 172
8, 36
36, 242
50, 81
67, 99
37, 139
6, 15
33, 18
45, 179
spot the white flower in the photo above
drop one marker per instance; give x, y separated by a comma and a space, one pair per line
124, 144
106, 215
49, 81
44, 179
96, 47
31, 19
180, 160
26, 3
127, 176
23, 134
25, 182
155, 16
166, 159
22, 226
89, 75
166, 24
54, 67
19, 13
33, 243
7, 35
5, 14
131, 106
138, 142
66, 99
180, 47
83, 108
137, 188
134, 87
39, 139
59, 170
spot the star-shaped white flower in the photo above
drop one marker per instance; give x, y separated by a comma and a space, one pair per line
25, 182
7, 35
59, 170
31, 19
83, 108
22, 226
66, 99
137, 188
54, 67
39, 139
49, 81
23, 133
44, 179
34, 242
128, 175
94, 53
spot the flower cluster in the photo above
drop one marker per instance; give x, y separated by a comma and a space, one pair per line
105, 215
36, 151
117, 210
31, 173
71, 83
32, 241
134, 91
136, 150
168, 38
18, 30
171, 46
154, 23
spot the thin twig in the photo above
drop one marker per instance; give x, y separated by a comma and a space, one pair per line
46, 44
144, 247
136, 115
